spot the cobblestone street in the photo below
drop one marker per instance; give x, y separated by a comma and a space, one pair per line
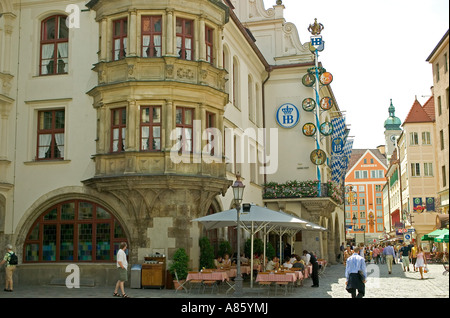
332, 285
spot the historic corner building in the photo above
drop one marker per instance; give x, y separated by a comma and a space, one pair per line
125, 120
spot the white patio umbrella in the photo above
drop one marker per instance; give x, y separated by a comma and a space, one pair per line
281, 230
253, 219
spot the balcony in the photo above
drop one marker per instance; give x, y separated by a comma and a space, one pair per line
307, 193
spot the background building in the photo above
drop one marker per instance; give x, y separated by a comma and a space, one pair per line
439, 61
364, 204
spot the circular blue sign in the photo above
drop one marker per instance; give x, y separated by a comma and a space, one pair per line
287, 115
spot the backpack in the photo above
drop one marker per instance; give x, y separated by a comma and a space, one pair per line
13, 259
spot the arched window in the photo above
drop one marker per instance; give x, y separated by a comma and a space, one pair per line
75, 230
54, 46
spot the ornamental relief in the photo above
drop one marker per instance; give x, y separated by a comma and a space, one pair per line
186, 73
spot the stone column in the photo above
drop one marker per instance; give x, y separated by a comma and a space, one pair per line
132, 35
9, 18
170, 33
103, 41
201, 39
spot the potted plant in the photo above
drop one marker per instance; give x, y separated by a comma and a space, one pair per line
206, 253
180, 266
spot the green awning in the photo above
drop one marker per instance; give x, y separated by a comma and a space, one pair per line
436, 233
443, 238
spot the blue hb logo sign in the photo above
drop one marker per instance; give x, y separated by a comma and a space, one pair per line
287, 115
317, 42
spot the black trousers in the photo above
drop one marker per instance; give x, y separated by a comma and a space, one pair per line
354, 284
315, 273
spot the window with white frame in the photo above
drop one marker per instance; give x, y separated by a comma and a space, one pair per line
428, 169
361, 174
415, 169
413, 138
376, 174
426, 138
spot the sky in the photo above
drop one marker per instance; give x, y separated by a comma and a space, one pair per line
376, 51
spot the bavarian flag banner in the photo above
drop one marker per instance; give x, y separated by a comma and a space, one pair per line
339, 149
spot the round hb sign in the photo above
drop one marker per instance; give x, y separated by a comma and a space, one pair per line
287, 115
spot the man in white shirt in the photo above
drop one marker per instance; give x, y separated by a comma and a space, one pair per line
356, 274
122, 266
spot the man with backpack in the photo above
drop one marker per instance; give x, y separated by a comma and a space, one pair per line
11, 261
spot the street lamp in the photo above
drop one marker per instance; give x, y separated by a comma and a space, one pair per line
238, 193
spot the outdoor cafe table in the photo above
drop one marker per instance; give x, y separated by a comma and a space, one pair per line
275, 277
220, 275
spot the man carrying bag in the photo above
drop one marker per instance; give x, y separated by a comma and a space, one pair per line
356, 274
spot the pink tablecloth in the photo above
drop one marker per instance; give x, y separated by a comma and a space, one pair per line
222, 276
272, 277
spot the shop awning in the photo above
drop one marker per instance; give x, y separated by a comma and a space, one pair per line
436, 233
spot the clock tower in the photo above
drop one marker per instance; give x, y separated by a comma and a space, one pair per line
392, 131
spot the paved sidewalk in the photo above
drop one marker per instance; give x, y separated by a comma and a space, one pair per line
332, 285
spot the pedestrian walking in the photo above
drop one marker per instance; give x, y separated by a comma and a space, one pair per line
405, 253
315, 268
414, 256
10, 267
421, 261
389, 253
122, 268
375, 254
342, 249
356, 274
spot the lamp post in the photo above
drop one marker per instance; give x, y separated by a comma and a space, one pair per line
238, 193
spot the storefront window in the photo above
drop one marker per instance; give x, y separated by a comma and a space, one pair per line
74, 231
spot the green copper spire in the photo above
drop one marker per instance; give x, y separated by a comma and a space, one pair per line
392, 123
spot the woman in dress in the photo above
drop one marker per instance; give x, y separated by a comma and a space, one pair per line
421, 260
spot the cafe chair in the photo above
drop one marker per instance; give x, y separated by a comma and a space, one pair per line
322, 267
209, 283
281, 283
181, 286
264, 284
195, 283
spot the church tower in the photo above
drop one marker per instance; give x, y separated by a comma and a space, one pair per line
392, 131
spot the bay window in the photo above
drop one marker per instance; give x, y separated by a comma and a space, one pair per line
185, 38
151, 32
151, 128
209, 33
184, 126
120, 33
118, 129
